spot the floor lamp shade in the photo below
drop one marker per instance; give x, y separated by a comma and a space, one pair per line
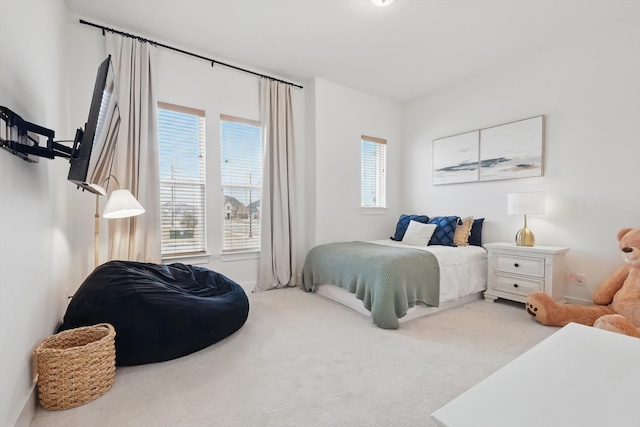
532, 203
122, 204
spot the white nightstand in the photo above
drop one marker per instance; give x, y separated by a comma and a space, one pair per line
515, 271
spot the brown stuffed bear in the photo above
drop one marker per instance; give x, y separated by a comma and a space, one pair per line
617, 298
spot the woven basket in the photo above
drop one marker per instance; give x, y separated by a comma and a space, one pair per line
76, 366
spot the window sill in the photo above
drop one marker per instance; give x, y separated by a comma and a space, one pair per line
194, 259
373, 211
239, 256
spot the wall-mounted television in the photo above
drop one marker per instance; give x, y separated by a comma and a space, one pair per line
93, 148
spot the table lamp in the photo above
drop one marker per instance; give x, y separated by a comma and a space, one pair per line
525, 204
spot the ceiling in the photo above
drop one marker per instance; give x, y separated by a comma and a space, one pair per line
398, 52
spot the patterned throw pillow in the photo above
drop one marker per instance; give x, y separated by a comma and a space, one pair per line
463, 230
446, 228
475, 238
403, 223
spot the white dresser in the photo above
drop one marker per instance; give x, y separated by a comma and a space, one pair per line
579, 376
516, 271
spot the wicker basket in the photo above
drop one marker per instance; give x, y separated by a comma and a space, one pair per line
76, 366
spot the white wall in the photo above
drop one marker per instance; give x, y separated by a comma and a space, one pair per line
34, 205
337, 117
190, 82
589, 91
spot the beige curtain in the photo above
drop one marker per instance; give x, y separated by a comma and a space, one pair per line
278, 243
136, 159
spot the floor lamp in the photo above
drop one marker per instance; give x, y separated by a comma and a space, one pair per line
121, 204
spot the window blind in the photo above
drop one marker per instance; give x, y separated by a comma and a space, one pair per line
373, 164
181, 139
241, 169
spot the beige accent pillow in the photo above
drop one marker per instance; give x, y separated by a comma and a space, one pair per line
418, 234
461, 237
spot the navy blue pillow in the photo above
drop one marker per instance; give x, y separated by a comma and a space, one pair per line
445, 230
475, 238
403, 223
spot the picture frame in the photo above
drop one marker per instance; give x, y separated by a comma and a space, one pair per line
455, 158
506, 151
512, 150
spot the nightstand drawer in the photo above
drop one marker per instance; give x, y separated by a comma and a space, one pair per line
520, 265
516, 284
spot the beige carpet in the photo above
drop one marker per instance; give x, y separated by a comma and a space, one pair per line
302, 360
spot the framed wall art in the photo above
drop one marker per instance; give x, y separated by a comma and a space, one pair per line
511, 150
455, 158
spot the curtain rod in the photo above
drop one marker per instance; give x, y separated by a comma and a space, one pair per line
212, 61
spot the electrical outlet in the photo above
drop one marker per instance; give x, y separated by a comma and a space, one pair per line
581, 279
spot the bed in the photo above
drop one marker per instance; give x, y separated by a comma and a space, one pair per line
393, 282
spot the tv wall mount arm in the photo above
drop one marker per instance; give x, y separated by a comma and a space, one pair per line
21, 138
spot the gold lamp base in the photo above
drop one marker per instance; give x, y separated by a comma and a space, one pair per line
525, 237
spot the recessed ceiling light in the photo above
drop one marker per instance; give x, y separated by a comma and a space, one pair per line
381, 3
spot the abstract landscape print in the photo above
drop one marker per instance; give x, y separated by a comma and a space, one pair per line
512, 150
455, 158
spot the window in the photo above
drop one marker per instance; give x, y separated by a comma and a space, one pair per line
182, 179
373, 177
241, 184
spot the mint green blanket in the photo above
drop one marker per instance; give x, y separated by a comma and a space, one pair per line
389, 280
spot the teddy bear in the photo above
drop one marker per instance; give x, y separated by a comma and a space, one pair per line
617, 298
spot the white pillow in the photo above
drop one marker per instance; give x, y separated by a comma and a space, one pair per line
418, 233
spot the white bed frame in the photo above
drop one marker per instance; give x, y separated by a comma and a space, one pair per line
454, 270
348, 299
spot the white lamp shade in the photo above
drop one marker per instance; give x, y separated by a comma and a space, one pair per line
525, 203
122, 204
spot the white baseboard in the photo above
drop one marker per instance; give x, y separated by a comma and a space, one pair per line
28, 411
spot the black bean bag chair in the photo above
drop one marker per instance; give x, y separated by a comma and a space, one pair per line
159, 312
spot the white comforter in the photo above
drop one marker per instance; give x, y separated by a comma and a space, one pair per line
463, 269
